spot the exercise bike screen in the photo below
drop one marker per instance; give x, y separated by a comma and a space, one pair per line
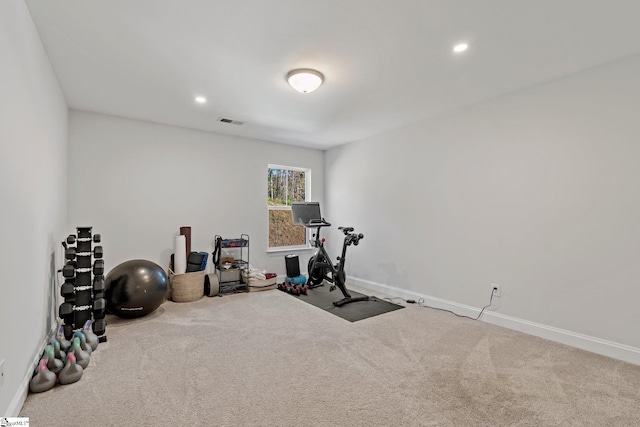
302, 213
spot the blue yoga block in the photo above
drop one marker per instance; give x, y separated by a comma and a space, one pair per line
298, 280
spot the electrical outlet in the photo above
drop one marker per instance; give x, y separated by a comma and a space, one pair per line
1, 373
496, 290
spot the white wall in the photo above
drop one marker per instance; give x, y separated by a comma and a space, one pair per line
137, 183
33, 161
537, 191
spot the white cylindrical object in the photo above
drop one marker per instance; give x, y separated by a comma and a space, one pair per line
180, 255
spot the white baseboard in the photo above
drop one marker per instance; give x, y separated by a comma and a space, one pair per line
595, 345
21, 395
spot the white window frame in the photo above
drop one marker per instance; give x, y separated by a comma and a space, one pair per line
307, 198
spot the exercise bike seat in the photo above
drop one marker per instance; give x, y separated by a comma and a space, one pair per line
346, 230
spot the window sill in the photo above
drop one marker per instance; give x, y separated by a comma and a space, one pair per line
289, 249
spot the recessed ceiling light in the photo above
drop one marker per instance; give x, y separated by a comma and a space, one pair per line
460, 47
201, 99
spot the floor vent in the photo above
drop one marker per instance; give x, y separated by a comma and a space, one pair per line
230, 121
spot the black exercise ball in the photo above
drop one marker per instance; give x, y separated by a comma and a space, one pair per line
135, 288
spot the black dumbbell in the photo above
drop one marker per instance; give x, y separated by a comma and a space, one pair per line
70, 253
66, 310
67, 289
68, 331
97, 252
99, 305
71, 239
98, 284
69, 270
96, 238
98, 267
99, 326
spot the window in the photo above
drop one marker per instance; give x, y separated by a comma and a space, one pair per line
285, 185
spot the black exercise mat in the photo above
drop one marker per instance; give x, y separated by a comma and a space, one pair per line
321, 297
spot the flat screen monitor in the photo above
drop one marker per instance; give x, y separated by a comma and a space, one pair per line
304, 212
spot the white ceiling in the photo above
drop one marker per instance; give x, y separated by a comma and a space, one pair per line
386, 63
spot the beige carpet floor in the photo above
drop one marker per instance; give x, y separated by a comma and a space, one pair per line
268, 359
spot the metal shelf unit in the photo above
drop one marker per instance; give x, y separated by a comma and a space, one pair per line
231, 259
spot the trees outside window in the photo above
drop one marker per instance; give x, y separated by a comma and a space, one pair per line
285, 185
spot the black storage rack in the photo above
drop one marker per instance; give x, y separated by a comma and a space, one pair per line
231, 273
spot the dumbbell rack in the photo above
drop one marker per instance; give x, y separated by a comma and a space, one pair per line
83, 297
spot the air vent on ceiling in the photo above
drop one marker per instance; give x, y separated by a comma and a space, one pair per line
230, 121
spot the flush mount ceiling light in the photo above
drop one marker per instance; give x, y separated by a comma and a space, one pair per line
200, 99
305, 80
460, 47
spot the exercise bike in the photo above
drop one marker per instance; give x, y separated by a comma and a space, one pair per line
320, 267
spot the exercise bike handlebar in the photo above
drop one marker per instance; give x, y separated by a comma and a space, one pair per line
314, 223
